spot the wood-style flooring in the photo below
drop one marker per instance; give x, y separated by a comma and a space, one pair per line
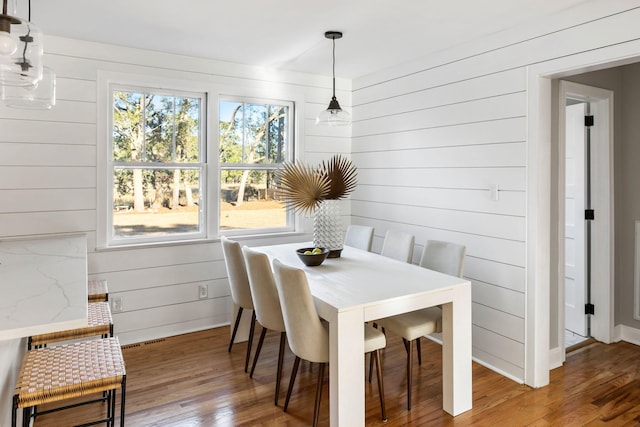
191, 380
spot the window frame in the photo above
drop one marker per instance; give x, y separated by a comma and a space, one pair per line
201, 166
290, 155
265, 87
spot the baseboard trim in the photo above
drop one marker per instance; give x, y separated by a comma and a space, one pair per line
626, 333
557, 357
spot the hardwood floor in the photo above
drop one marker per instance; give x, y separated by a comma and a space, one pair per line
191, 380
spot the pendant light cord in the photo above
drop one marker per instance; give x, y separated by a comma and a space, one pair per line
334, 66
25, 64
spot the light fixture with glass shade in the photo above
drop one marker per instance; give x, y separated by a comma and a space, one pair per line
39, 96
334, 115
20, 49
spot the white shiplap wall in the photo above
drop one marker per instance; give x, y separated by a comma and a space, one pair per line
431, 137
48, 180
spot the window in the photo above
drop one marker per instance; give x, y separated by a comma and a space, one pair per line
156, 166
255, 139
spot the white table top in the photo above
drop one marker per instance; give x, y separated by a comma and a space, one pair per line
360, 279
43, 285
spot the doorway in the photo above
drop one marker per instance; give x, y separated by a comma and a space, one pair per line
585, 204
577, 286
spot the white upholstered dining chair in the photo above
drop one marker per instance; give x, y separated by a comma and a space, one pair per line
240, 290
359, 236
398, 245
307, 336
439, 256
266, 304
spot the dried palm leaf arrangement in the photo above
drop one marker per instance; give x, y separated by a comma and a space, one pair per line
304, 187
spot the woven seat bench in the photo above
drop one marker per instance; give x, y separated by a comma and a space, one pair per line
99, 322
53, 374
97, 291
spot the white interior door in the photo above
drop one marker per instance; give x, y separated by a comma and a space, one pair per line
575, 252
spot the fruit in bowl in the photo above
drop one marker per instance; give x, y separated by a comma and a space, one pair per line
312, 256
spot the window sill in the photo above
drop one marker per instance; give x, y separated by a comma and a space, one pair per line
240, 238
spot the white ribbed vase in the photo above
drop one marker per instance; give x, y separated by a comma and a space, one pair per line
327, 227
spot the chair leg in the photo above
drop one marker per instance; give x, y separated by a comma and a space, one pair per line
255, 356
419, 351
370, 365
123, 394
316, 409
112, 405
26, 417
14, 410
250, 341
235, 328
376, 354
409, 366
283, 337
110, 399
294, 371
406, 345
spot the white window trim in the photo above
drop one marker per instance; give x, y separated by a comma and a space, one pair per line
290, 155
112, 241
261, 90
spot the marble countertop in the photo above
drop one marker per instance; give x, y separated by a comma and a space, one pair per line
43, 285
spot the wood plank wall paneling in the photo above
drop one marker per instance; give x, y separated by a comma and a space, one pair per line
480, 223
48, 180
47, 132
431, 137
494, 131
445, 177
510, 81
58, 177
477, 110
65, 199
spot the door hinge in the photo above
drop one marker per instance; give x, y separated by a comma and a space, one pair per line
589, 214
588, 121
589, 309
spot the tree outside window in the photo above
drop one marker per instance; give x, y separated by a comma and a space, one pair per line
157, 164
255, 139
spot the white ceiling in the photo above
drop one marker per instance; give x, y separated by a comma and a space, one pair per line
289, 34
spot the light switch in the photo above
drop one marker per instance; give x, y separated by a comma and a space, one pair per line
493, 191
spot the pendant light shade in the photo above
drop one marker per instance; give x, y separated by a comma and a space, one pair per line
20, 50
40, 96
334, 115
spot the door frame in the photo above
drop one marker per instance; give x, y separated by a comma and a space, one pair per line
538, 319
602, 228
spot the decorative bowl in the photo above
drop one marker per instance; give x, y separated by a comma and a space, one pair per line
311, 260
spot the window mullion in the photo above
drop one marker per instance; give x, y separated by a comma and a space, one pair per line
143, 131
173, 132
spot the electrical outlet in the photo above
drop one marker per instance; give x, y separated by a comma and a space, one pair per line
116, 304
203, 291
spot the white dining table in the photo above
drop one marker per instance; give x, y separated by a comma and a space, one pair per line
363, 286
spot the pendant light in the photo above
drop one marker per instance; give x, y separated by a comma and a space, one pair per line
39, 96
333, 115
20, 50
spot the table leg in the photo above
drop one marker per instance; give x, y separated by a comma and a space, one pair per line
456, 352
346, 369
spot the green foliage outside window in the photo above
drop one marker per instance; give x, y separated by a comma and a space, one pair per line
156, 157
254, 142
